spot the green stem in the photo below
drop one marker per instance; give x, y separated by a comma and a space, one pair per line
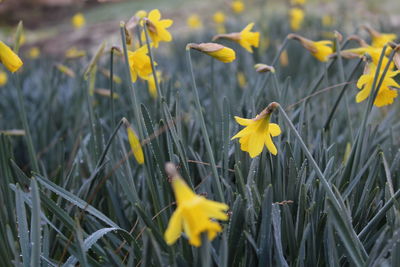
112, 87
217, 182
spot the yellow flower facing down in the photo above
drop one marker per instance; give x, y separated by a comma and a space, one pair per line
246, 38
78, 20
321, 50
194, 22
73, 52
386, 94
9, 59
217, 51
34, 52
134, 142
158, 28
3, 78
258, 132
379, 39
373, 52
237, 6
296, 16
139, 63
194, 214
219, 17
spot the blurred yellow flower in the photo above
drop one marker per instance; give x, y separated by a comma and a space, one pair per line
245, 38
136, 147
241, 78
66, 70
73, 52
284, 58
158, 28
327, 20
296, 18
151, 83
321, 50
386, 93
379, 39
194, 22
9, 59
258, 132
194, 214
34, 52
373, 52
3, 78
141, 14
237, 6
297, 2
78, 20
219, 17
217, 51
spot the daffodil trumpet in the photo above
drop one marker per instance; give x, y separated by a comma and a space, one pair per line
217, 51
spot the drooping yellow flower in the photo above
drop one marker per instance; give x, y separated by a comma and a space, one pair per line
194, 22
237, 6
246, 38
258, 132
373, 52
151, 82
219, 17
241, 79
158, 28
3, 78
379, 39
194, 214
78, 20
217, 51
73, 52
139, 63
386, 94
296, 16
34, 52
135, 145
321, 50
9, 59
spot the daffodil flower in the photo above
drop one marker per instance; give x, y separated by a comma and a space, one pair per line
152, 84
258, 132
9, 59
139, 63
217, 51
246, 38
386, 94
321, 50
158, 28
373, 52
296, 16
78, 21
3, 78
136, 147
194, 214
194, 22
379, 39
73, 52
237, 6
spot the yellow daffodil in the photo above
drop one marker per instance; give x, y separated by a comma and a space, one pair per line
139, 63
219, 17
194, 214
151, 83
246, 38
284, 58
78, 20
34, 52
296, 18
135, 145
258, 132
379, 39
141, 14
321, 50
241, 79
386, 94
3, 78
158, 28
237, 6
194, 22
217, 51
73, 52
373, 52
9, 59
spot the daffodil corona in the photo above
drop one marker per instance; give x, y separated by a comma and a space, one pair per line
258, 132
246, 38
194, 214
158, 28
386, 93
9, 59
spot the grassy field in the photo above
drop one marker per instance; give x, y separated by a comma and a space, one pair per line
74, 191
